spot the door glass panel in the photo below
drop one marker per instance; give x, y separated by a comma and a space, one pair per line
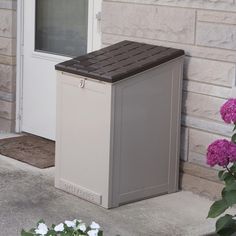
61, 26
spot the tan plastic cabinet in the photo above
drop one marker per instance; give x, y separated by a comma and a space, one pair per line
118, 123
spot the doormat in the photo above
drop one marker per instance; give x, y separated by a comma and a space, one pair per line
33, 150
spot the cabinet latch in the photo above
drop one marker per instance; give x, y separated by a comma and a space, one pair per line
82, 83
99, 16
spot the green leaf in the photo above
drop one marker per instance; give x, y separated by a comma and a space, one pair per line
223, 192
224, 222
226, 225
230, 197
225, 176
24, 233
41, 221
220, 174
217, 208
231, 186
51, 232
229, 231
233, 139
228, 178
234, 126
100, 233
233, 168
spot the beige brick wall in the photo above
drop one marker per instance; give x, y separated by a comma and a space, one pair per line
206, 30
7, 64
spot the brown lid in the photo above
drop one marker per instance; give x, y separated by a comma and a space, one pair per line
119, 61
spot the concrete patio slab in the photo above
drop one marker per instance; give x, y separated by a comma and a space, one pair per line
28, 195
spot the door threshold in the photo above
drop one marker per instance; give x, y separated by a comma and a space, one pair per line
4, 135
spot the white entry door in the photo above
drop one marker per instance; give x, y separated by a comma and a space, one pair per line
53, 31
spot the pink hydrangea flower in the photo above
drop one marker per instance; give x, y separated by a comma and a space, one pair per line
232, 152
228, 111
221, 152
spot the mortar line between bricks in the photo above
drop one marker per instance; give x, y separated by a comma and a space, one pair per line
214, 22
198, 57
189, 54
161, 40
171, 42
173, 6
234, 82
5, 37
9, 9
203, 94
207, 59
5, 55
186, 79
12, 56
195, 30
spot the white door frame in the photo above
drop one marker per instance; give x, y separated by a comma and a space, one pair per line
94, 43
19, 64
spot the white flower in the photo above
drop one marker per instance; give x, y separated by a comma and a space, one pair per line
59, 228
71, 224
93, 232
94, 225
82, 227
42, 229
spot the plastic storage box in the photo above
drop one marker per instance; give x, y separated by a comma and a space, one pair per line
118, 123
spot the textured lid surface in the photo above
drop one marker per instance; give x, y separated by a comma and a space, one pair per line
119, 61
